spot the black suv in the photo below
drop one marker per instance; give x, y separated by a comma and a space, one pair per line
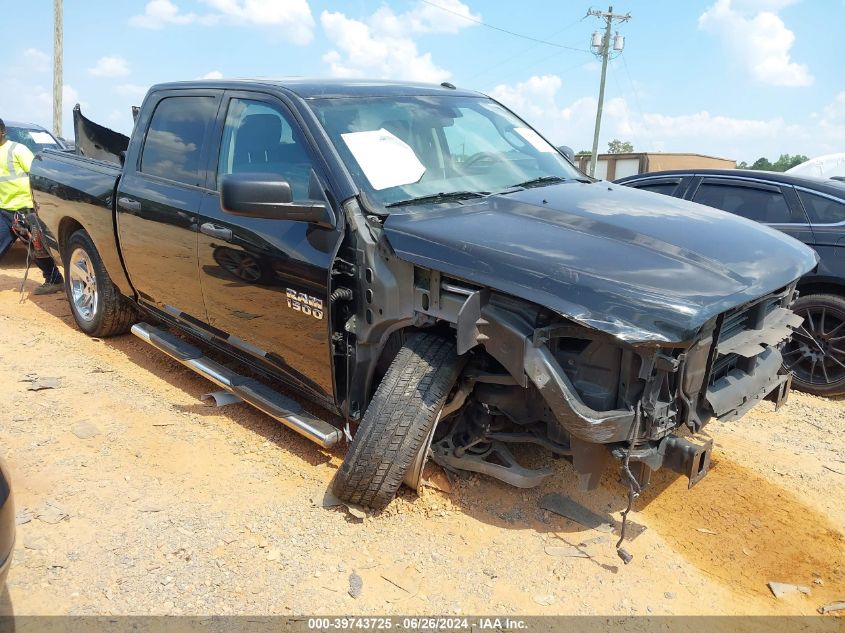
809, 209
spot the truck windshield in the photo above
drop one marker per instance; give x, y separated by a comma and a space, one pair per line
437, 149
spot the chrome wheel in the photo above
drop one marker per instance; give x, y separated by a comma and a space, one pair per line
83, 285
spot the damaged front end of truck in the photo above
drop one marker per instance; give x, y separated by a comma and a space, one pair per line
591, 396
596, 371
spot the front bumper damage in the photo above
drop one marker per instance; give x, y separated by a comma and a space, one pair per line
734, 365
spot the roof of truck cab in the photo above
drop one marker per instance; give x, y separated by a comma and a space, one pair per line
328, 88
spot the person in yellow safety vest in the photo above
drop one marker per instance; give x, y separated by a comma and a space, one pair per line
16, 199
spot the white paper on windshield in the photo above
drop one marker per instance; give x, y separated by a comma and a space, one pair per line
42, 138
535, 140
387, 160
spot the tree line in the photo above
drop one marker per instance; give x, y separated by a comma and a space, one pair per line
786, 161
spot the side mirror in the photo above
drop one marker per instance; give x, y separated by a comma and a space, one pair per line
269, 197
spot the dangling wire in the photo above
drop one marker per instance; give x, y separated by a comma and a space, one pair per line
634, 489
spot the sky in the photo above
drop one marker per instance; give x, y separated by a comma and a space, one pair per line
739, 79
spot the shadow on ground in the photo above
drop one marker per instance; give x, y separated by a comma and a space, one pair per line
7, 612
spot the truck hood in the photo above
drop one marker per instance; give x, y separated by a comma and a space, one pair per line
641, 266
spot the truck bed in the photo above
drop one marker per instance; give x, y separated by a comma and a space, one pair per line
74, 191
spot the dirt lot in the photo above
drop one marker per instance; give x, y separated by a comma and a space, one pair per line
136, 498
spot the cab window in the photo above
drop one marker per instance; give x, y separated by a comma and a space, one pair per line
173, 146
259, 137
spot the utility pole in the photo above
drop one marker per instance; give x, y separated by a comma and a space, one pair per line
601, 44
57, 67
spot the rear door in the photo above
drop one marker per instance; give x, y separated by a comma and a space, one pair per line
159, 197
765, 202
265, 281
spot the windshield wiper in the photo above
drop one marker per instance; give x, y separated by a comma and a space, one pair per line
436, 198
542, 181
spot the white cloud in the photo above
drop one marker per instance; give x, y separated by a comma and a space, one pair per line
110, 66
160, 13
131, 90
70, 97
214, 74
831, 122
292, 17
426, 18
537, 100
540, 100
44, 97
755, 6
117, 117
757, 37
382, 45
37, 60
369, 53
33, 103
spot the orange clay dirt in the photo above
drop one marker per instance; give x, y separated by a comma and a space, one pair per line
136, 498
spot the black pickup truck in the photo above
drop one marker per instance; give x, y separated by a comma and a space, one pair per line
422, 264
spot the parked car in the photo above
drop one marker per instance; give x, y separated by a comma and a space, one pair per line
7, 522
427, 266
809, 209
33, 136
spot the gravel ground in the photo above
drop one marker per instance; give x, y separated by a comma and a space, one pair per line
134, 497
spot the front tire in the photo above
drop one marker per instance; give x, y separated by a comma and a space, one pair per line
95, 302
816, 353
398, 422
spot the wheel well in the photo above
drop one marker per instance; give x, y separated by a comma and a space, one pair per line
394, 343
388, 352
811, 287
67, 227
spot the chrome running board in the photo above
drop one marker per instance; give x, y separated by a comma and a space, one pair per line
284, 409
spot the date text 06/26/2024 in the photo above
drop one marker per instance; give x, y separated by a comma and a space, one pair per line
416, 624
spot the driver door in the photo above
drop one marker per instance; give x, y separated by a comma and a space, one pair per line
265, 281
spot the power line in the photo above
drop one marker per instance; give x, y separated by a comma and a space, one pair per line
501, 30
636, 137
518, 54
559, 73
635, 92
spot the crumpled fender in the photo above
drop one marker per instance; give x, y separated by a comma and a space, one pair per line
642, 267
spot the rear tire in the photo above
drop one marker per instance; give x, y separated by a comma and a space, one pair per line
398, 421
816, 353
95, 302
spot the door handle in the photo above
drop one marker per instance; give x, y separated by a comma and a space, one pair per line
128, 204
219, 232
